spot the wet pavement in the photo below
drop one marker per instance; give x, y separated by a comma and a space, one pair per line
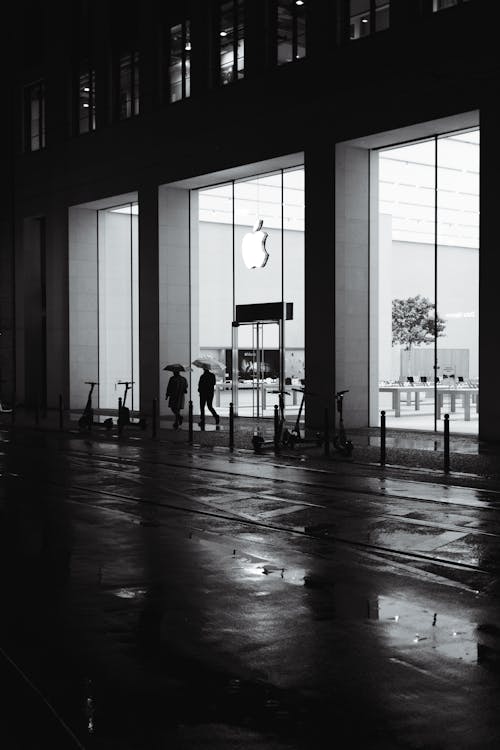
166, 593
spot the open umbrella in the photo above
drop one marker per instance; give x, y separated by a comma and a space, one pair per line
205, 360
174, 367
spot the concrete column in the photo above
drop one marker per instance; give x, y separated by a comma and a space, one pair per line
32, 374
56, 286
149, 336
319, 281
489, 273
352, 280
175, 345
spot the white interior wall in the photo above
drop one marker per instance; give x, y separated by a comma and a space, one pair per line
174, 219
252, 285
407, 269
83, 309
118, 302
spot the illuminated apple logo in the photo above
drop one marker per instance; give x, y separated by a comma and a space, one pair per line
253, 247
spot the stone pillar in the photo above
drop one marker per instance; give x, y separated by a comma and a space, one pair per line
489, 274
175, 213
352, 280
149, 335
319, 281
56, 304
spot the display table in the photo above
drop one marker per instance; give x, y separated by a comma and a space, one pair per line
413, 393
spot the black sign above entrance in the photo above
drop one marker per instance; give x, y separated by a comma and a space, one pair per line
263, 311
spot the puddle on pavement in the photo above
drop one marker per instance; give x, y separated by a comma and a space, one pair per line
130, 593
450, 636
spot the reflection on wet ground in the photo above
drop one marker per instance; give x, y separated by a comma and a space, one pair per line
224, 604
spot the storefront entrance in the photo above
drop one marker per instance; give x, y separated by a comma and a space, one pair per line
256, 367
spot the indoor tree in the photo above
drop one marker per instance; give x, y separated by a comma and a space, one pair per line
414, 322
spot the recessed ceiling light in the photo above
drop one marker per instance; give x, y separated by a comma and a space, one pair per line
364, 20
223, 33
299, 2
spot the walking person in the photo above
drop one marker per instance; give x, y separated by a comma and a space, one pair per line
206, 387
176, 389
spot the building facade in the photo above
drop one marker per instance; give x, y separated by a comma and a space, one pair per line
144, 145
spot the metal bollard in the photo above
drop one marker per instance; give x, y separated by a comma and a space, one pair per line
326, 431
446, 443
61, 415
120, 423
382, 438
154, 418
231, 426
190, 422
276, 427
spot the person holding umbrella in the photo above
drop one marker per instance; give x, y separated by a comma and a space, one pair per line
206, 387
176, 389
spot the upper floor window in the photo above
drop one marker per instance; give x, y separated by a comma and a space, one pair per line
128, 82
86, 99
290, 30
34, 116
231, 41
179, 66
367, 17
442, 4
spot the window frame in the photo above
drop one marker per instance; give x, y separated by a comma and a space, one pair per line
85, 70
237, 19
371, 15
185, 60
132, 91
298, 13
29, 135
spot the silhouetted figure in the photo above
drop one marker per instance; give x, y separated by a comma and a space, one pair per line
206, 387
176, 390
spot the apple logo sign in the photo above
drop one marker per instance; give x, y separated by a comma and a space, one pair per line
253, 247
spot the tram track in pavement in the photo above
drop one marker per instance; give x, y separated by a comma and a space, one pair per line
124, 465
479, 498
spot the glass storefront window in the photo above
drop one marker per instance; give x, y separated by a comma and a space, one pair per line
428, 290
250, 252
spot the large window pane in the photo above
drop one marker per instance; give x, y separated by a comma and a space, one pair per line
458, 279
293, 278
407, 282
429, 283
231, 269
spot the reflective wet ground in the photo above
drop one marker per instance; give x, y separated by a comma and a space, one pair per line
162, 594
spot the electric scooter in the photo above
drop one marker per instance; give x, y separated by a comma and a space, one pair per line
294, 436
340, 440
4, 409
258, 440
124, 419
87, 418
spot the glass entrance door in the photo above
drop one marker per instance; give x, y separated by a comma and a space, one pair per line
257, 368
